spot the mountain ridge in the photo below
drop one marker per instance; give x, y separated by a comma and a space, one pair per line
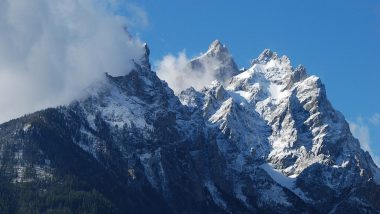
268, 140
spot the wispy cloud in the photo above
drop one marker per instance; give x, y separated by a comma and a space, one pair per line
361, 131
375, 119
179, 74
134, 15
50, 50
138, 15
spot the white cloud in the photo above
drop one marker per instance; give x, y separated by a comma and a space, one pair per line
51, 50
139, 16
179, 74
360, 130
375, 119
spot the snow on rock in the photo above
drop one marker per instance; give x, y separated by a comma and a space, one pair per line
89, 142
277, 92
276, 175
278, 115
270, 117
27, 127
239, 144
283, 180
217, 61
115, 107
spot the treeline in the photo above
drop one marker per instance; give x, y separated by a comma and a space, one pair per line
65, 196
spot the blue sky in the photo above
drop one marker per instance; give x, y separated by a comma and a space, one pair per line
337, 40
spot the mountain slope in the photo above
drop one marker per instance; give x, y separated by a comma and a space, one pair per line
306, 136
262, 140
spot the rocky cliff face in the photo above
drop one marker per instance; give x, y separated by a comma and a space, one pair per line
261, 140
217, 60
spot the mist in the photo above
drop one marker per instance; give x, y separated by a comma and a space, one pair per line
180, 75
51, 50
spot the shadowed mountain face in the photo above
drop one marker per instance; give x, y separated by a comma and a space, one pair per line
262, 140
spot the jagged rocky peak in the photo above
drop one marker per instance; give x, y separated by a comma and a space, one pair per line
217, 61
147, 50
216, 43
220, 52
191, 98
145, 63
216, 47
216, 89
276, 69
267, 142
298, 74
265, 57
269, 56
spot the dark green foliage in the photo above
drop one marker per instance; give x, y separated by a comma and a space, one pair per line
56, 197
79, 182
7, 197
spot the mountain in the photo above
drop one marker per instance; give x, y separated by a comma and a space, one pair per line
217, 60
261, 140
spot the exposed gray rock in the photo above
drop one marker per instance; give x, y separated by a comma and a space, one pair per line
269, 141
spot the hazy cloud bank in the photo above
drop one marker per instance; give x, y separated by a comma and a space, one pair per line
51, 50
180, 75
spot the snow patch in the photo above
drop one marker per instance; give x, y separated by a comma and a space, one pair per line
278, 176
244, 75
27, 127
240, 96
123, 110
115, 107
222, 112
284, 181
344, 164
277, 92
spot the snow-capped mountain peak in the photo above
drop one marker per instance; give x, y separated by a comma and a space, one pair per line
292, 106
217, 61
216, 47
265, 57
261, 140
